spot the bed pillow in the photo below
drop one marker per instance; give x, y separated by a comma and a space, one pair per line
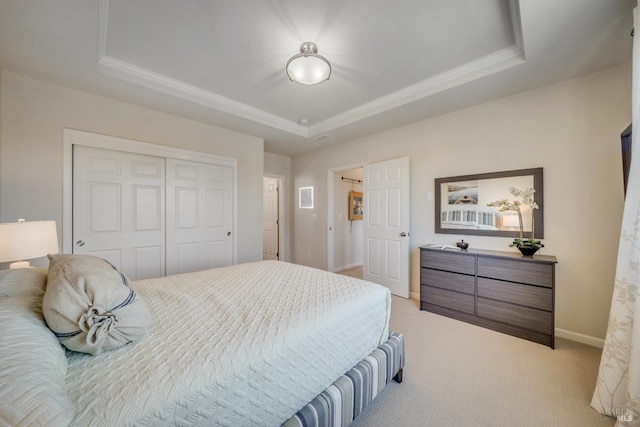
23, 282
90, 306
33, 364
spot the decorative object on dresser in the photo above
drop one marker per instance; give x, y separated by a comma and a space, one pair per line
461, 203
529, 246
462, 244
493, 289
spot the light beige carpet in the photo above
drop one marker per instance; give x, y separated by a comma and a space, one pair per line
458, 374
352, 272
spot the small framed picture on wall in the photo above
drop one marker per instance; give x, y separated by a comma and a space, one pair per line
355, 205
305, 197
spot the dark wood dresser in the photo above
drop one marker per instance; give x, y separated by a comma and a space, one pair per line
503, 291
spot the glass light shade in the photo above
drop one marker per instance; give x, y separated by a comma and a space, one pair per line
308, 68
26, 240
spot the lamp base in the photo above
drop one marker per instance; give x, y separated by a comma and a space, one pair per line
19, 264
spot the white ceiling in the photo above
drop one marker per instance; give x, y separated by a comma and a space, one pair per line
222, 62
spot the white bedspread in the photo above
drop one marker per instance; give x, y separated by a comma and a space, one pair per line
243, 345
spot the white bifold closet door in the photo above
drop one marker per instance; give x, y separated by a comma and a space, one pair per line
199, 216
119, 209
151, 216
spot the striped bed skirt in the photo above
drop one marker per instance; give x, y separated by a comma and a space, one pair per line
340, 403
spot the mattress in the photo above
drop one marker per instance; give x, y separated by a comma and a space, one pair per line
249, 344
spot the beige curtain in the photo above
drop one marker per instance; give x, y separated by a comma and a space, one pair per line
617, 392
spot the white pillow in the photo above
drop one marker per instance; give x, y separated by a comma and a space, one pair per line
33, 364
90, 306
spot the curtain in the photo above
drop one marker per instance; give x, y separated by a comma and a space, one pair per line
617, 392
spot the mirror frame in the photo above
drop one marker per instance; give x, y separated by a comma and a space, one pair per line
538, 198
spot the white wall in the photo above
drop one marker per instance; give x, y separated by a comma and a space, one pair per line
347, 235
571, 129
277, 165
33, 116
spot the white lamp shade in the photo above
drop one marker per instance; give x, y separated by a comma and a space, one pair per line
510, 221
26, 240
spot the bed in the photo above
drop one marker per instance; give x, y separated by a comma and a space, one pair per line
263, 343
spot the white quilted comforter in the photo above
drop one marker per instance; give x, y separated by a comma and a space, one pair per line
243, 345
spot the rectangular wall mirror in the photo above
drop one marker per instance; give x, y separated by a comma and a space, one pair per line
461, 204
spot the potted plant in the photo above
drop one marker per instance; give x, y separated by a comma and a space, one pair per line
528, 246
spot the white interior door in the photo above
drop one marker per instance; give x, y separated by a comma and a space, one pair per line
270, 218
199, 216
118, 209
386, 225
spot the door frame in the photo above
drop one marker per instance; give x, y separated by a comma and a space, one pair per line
73, 137
331, 210
281, 215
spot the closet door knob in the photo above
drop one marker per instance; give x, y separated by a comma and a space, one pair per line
80, 243
403, 234
228, 233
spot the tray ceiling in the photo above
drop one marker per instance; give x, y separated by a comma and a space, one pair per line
393, 62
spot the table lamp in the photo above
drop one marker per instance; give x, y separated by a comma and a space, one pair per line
511, 221
22, 240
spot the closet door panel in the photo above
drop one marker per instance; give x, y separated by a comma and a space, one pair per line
199, 216
104, 208
118, 209
186, 205
149, 261
148, 208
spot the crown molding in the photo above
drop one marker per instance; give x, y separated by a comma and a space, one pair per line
161, 83
484, 66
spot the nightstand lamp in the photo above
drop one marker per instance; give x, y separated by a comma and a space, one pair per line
23, 240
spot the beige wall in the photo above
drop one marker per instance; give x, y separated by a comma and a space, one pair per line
34, 114
571, 129
275, 164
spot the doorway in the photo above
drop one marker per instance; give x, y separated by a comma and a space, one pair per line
272, 227
385, 242
348, 225
338, 218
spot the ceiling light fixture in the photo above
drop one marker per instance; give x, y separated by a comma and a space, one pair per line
307, 67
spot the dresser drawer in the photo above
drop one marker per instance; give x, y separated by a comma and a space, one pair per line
517, 293
446, 280
449, 261
533, 273
448, 299
528, 318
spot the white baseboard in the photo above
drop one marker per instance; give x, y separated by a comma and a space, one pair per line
581, 338
348, 266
